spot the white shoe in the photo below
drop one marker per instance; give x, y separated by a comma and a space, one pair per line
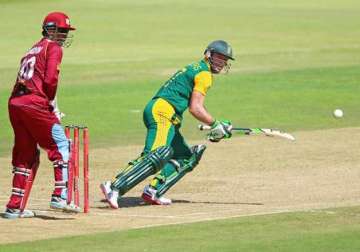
58, 203
149, 196
111, 196
12, 213
71, 208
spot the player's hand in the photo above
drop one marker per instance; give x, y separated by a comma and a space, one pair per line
55, 109
58, 114
220, 130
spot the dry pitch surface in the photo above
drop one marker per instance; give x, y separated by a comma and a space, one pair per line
240, 177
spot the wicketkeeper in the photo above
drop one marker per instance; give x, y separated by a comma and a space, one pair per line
36, 120
166, 153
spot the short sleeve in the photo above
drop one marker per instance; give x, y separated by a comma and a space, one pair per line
202, 82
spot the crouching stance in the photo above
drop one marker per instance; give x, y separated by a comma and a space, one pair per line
34, 119
166, 153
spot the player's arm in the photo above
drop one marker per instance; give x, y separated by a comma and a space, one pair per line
202, 83
53, 60
198, 110
219, 129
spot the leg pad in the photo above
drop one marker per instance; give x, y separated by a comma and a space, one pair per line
141, 168
181, 168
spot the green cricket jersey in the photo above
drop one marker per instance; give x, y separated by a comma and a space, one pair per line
178, 89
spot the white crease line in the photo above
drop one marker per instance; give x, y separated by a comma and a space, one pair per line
170, 216
141, 216
117, 214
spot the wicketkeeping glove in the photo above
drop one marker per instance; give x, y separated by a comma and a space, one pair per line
220, 130
55, 109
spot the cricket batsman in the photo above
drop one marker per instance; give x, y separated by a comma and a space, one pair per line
166, 153
35, 118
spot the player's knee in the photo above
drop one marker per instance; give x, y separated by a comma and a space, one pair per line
198, 151
160, 156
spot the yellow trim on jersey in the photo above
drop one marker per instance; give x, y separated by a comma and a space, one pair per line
202, 82
162, 112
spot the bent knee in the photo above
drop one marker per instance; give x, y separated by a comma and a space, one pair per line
161, 155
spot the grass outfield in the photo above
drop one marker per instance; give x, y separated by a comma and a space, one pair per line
296, 62
291, 100
322, 231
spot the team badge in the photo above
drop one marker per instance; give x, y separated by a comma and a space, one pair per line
229, 50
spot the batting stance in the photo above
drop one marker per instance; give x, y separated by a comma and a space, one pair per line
165, 148
33, 115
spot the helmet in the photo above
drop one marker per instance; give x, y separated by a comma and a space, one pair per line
221, 47
56, 27
57, 19
217, 53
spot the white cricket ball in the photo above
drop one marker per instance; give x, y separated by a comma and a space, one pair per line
338, 113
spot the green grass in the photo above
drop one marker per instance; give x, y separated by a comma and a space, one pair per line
296, 61
321, 231
292, 100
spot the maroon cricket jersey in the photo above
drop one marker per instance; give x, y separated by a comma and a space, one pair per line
39, 70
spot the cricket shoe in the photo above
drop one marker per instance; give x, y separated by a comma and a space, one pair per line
149, 196
111, 196
13, 213
60, 204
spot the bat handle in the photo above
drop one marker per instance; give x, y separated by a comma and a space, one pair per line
204, 127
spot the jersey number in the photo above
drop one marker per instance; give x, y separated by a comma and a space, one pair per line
27, 68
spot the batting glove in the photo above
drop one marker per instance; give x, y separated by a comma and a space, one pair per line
220, 130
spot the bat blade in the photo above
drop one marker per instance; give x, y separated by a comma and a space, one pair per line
255, 131
278, 133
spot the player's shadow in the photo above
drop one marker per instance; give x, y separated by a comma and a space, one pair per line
216, 202
126, 202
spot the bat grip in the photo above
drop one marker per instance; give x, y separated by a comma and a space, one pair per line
204, 127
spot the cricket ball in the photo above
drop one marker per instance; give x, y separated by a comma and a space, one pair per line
338, 113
